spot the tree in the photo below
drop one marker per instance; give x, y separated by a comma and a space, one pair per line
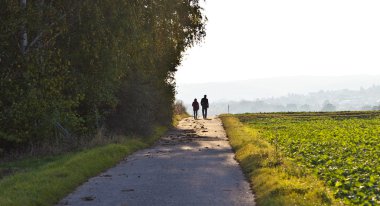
305, 108
292, 107
328, 107
90, 64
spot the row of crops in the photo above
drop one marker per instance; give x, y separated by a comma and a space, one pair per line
342, 148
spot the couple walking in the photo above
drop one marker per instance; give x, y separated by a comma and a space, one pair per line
204, 104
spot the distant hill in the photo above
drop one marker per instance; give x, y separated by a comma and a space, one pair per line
287, 94
340, 100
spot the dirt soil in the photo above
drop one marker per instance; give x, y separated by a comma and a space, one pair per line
191, 165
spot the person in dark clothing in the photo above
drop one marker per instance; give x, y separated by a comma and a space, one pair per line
195, 108
204, 103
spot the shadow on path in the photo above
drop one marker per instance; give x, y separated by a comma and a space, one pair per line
191, 165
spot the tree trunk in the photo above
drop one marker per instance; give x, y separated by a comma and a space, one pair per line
23, 32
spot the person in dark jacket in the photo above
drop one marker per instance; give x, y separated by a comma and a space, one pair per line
195, 108
204, 103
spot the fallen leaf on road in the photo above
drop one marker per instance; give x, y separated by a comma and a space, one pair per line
128, 190
88, 198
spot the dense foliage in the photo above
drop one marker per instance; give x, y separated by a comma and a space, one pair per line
342, 148
88, 64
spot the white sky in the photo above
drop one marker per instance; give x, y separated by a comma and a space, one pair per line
249, 39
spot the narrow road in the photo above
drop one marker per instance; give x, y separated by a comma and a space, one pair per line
192, 165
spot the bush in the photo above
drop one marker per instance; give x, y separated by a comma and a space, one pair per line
179, 108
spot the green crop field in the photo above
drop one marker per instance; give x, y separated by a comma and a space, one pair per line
342, 148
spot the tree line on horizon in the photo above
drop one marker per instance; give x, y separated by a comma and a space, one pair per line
363, 99
71, 67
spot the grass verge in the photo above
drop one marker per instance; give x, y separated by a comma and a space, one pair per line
179, 117
275, 179
44, 181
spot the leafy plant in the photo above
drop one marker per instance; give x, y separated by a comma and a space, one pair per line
341, 148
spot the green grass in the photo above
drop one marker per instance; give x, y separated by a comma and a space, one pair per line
275, 179
341, 148
44, 181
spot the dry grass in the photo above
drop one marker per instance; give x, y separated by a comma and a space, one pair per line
177, 118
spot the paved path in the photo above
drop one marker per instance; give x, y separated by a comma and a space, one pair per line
193, 165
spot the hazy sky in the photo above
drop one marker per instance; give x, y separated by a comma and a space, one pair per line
248, 39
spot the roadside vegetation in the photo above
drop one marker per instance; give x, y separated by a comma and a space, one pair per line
44, 181
70, 68
179, 111
275, 179
341, 149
